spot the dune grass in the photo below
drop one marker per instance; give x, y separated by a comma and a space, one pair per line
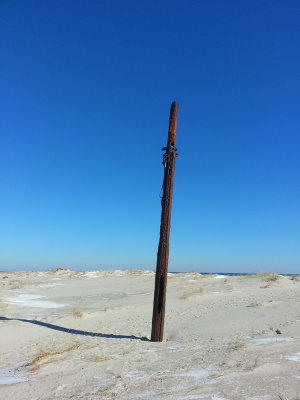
135, 271
60, 271
191, 293
255, 304
44, 356
295, 278
99, 358
266, 276
77, 313
236, 344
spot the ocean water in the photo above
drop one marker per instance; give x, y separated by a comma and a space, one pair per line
231, 273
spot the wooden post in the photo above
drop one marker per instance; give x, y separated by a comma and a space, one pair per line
163, 247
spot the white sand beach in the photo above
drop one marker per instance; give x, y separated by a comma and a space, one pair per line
85, 335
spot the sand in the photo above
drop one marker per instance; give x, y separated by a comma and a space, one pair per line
85, 335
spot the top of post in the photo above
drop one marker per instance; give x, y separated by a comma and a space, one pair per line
173, 124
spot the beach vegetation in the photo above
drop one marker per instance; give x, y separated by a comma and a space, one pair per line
295, 278
77, 313
236, 344
255, 304
268, 276
44, 356
191, 293
15, 284
135, 271
59, 270
99, 358
269, 284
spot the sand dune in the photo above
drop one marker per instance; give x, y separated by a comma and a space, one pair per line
85, 335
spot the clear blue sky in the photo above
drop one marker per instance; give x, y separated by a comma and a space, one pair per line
86, 88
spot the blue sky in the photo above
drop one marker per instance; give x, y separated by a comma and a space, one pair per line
86, 89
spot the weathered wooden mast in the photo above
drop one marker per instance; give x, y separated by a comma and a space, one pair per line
163, 247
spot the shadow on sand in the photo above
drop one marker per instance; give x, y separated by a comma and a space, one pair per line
75, 331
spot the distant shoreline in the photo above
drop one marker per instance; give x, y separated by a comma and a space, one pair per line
137, 269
